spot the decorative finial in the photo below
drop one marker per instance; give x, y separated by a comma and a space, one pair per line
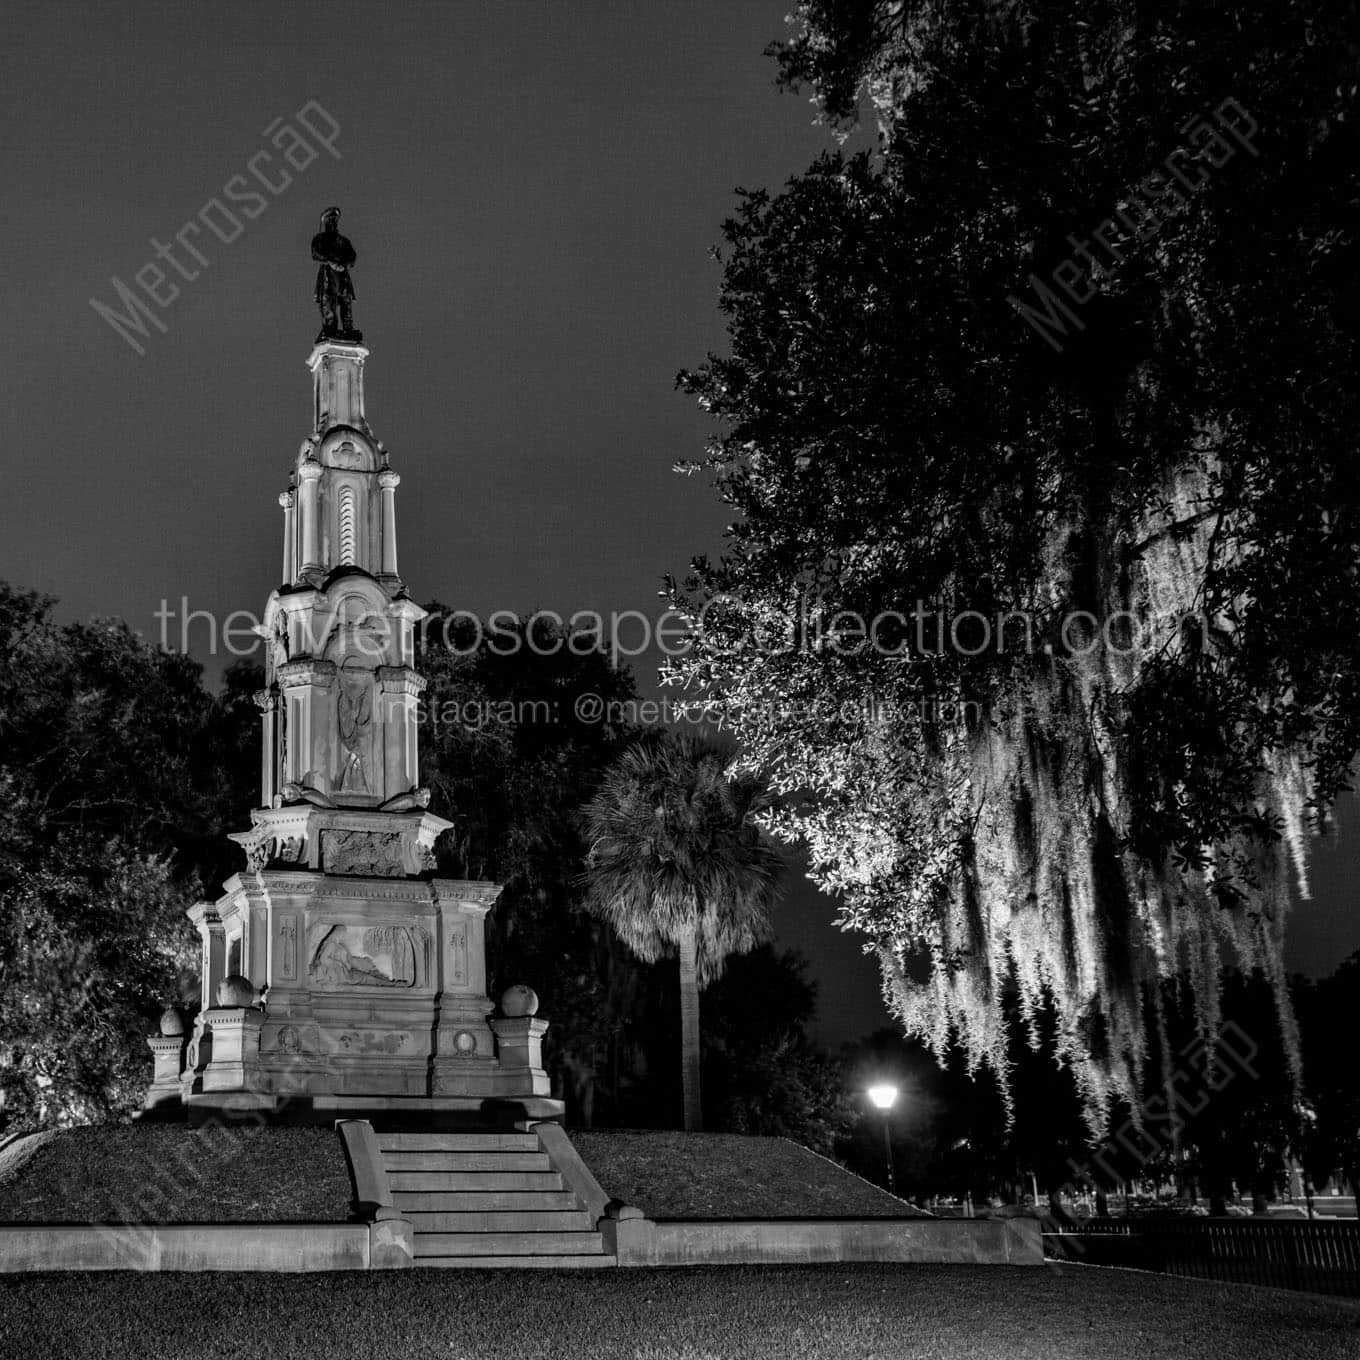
334, 291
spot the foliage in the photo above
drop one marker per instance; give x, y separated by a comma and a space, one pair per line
762, 1072
89, 953
674, 848
1218, 1120
1331, 1142
676, 862
112, 789
1100, 768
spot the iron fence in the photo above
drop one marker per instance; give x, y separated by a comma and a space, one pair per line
1322, 1257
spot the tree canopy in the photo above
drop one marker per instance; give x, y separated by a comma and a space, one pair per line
1039, 607
116, 768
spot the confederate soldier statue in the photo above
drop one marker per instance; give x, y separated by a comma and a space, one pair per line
334, 291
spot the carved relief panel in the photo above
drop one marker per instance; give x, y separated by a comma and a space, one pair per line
458, 954
288, 949
342, 955
374, 854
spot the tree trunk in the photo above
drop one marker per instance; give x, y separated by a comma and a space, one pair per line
689, 1030
1057, 1210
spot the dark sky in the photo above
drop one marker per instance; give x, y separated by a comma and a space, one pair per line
532, 190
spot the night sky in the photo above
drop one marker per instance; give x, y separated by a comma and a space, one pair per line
532, 190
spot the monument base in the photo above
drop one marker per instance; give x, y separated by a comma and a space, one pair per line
428, 1113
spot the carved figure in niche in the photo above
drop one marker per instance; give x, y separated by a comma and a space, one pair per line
389, 959
330, 964
354, 707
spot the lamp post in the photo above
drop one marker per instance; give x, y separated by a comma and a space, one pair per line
883, 1096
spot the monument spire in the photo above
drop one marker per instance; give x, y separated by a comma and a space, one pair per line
337, 968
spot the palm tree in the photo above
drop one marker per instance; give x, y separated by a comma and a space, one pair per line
676, 862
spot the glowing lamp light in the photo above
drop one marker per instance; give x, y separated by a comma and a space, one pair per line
883, 1096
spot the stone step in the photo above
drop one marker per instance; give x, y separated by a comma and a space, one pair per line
476, 1201
515, 1262
466, 1161
508, 1244
474, 1180
528, 1220
458, 1142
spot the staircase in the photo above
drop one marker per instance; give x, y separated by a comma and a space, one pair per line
488, 1199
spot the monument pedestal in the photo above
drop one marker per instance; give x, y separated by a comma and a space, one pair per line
373, 999
167, 1051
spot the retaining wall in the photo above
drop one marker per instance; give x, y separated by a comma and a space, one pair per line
644, 1242
187, 1246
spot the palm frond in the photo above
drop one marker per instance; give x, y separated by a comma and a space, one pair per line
673, 843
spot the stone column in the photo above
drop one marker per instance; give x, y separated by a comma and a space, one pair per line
463, 1040
254, 913
213, 932
310, 474
399, 688
389, 481
267, 701
289, 501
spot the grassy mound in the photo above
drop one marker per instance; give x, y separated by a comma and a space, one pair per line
725, 1175
168, 1173
704, 1313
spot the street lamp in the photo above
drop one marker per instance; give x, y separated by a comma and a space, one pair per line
883, 1095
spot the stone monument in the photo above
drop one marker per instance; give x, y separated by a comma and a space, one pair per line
341, 975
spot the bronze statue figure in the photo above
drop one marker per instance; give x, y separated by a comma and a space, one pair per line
334, 291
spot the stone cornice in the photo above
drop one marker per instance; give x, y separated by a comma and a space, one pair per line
339, 348
473, 892
306, 670
400, 680
204, 913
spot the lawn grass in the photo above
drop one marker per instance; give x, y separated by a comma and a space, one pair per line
736, 1313
169, 1173
669, 1174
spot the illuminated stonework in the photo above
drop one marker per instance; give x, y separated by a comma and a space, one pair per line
370, 970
